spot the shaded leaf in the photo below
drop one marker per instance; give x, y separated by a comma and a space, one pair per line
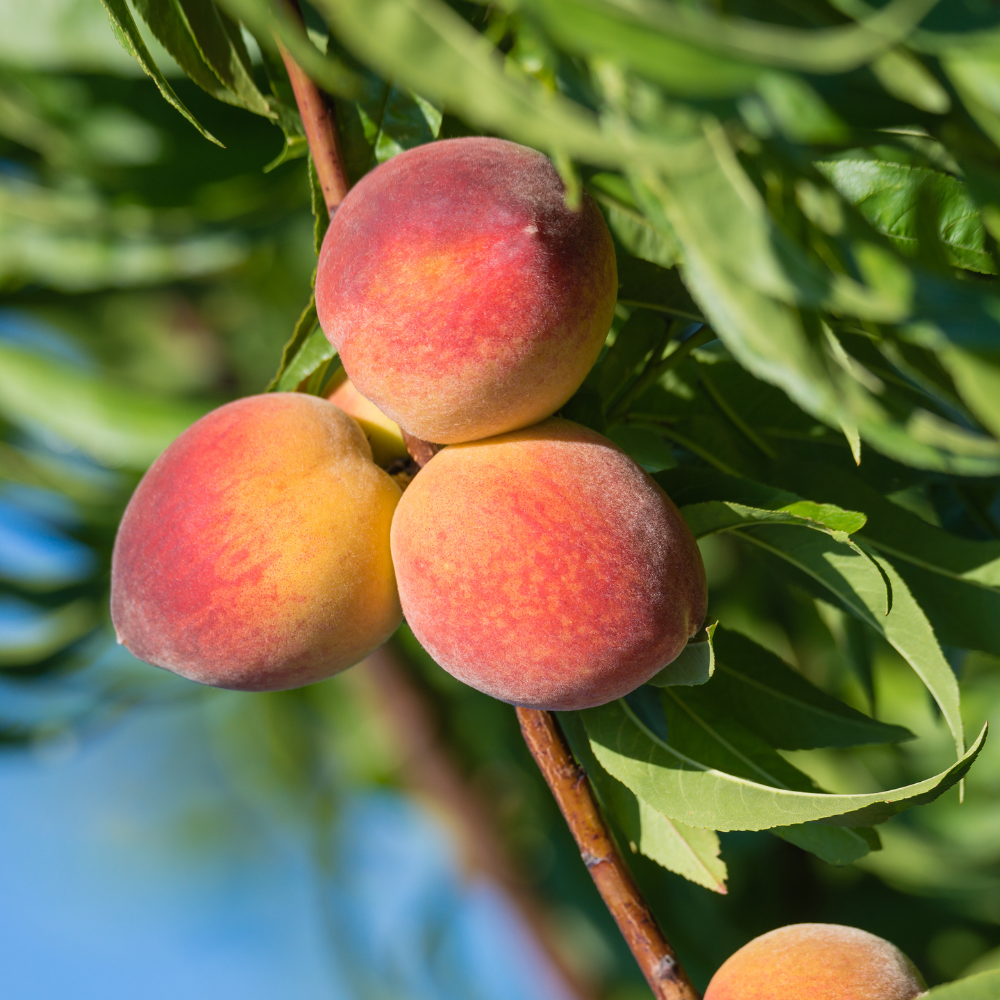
695, 665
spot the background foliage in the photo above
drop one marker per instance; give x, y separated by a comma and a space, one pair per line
805, 199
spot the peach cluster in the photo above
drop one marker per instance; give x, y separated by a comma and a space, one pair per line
534, 560
817, 962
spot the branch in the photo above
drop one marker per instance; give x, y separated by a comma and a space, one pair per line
571, 789
541, 732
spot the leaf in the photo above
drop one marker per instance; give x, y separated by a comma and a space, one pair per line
126, 31
836, 845
955, 580
855, 577
695, 665
685, 850
698, 795
780, 705
984, 986
642, 336
856, 584
316, 351
407, 120
30, 634
978, 380
648, 286
632, 229
891, 196
646, 446
116, 426
425, 45
304, 326
904, 76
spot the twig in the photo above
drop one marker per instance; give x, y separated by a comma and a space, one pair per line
320, 123
568, 783
431, 770
570, 786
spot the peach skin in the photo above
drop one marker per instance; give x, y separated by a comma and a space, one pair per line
817, 962
545, 568
383, 434
464, 297
255, 552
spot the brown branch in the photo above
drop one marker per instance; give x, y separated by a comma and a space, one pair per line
320, 123
434, 770
614, 881
431, 770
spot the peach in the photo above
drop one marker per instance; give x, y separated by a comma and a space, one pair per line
255, 552
383, 434
816, 962
545, 568
465, 298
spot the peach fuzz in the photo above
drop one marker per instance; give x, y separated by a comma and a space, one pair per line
383, 434
817, 962
545, 568
464, 297
255, 552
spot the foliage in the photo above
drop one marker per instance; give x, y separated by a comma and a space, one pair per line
805, 200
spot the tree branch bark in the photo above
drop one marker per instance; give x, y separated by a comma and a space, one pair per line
568, 782
614, 881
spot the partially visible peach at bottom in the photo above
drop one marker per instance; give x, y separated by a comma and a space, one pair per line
545, 568
383, 434
255, 552
816, 962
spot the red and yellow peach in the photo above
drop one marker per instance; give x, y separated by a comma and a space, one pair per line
545, 568
255, 552
465, 298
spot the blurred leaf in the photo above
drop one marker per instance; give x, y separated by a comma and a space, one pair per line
127, 33
904, 76
688, 790
30, 634
115, 425
985, 986
685, 850
694, 665
633, 230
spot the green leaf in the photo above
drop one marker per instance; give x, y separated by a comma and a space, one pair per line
632, 229
47, 633
856, 584
428, 47
695, 665
780, 705
955, 580
127, 32
685, 850
641, 338
304, 326
696, 794
984, 986
315, 353
836, 845
115, 425
891, 196
904, 76
825, 50
978, 380
645, 285
406, 120
646, 446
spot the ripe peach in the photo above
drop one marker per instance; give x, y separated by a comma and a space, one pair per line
255, 552
816, 962
383, 434
463, 295
545, 568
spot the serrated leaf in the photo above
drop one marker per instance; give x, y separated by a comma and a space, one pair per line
126, 31
115, 425
780, 705
685, 850
891, 196
695, 665
984, 986
693, 793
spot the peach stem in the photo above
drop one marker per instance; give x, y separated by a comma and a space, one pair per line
567, 780
614, 881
